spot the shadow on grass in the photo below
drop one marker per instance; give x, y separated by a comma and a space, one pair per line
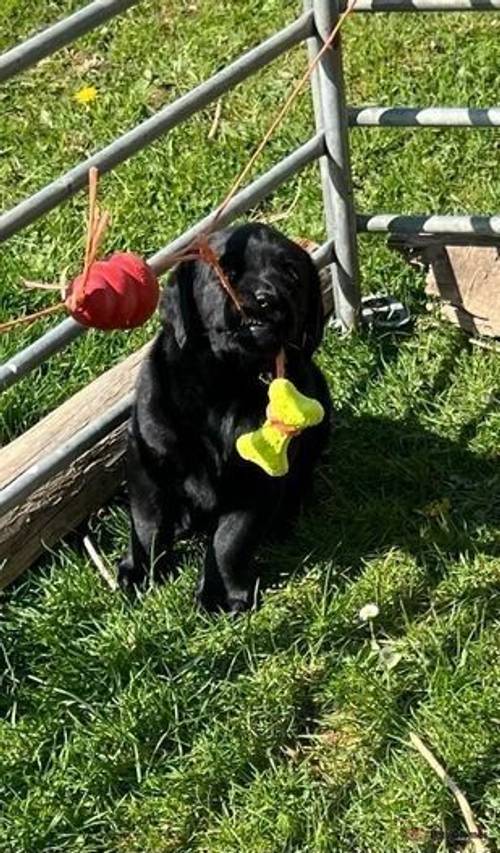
394, 484
373, 494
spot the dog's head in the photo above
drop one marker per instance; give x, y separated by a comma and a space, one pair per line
277, 286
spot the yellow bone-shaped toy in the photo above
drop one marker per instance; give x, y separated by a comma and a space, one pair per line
288, 413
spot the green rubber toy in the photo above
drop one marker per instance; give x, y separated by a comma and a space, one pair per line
288, 413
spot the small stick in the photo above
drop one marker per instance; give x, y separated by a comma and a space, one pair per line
30, 318
478, 844
99, 564
225, 283
100, 228
39, 285
489, 345
282, 113
208, 256
199, 243
215, 123
93, 175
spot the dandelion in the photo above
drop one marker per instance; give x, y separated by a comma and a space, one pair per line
86, 95
437, 508
368, 612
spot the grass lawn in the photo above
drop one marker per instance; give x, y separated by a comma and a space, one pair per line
150, 728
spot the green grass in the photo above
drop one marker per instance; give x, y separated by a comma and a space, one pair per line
150, 728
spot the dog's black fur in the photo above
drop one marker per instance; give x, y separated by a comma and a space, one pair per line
202, 386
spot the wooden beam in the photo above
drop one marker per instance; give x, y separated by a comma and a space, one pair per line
66, 500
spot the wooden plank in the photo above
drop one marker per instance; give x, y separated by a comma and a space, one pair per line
66, 500
466, 281
60, 506
463, 281
74, 414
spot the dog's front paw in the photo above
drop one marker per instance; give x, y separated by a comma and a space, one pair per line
129, 577
217, 601
235, 606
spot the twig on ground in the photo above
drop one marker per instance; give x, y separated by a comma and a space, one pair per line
494, 346
39, 285
284, 214
99, 564
215, 123
479, 845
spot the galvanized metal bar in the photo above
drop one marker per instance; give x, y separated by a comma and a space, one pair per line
33, 355
58, 35
246, 198
66, 453
429, 224
324, 255
425, 5
337, 186
446, 239
143, 134
68, 330
314, 45
423, 117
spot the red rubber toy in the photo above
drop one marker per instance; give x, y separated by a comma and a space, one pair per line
118, 293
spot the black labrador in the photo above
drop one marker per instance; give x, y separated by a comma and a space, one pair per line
204, 383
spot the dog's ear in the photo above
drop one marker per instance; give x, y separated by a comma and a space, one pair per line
177, 304
315, 318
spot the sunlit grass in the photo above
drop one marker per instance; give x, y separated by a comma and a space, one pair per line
150, 727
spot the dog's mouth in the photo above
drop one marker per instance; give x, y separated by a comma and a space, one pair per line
255, 324
258, 330
255, 336
261, 317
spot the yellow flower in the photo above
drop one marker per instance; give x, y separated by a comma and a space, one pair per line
86, 95
435, 509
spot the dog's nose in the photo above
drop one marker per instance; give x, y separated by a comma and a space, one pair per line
267, 299
263, 299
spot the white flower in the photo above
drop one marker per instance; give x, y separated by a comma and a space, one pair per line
368, 612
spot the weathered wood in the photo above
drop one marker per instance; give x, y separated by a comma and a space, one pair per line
73, 415
466, 281
60, 505
463, 281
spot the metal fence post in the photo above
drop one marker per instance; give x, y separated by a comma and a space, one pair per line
331, 117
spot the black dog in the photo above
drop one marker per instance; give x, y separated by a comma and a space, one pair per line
204, 384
